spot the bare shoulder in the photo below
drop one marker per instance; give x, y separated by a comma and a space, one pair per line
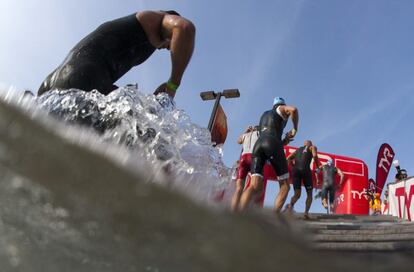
174, 21
146, 14
149, 13
287, 109
150, 20
169, 20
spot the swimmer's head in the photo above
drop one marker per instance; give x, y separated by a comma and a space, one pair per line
330, 162
278, 101
308, 143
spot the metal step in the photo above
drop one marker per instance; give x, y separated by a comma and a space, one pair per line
352, 217
355, 233
406, 237
365, 246
372, 231
355, 227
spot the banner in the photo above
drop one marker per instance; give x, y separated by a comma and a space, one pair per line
384, 161
351, 197
219, 130
400, 199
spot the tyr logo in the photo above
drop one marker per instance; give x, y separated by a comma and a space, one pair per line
387, 157
340, 199
400, 192
359, 194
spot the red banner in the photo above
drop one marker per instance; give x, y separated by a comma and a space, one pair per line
351, 197
219, 130
384, 162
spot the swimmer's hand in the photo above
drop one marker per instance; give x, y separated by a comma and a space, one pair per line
287, 139
163, 88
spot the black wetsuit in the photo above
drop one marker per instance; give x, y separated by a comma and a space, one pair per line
102, 57
329, 174
301, 170
269, 145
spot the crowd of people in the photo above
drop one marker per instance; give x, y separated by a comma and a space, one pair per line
376, 205
264, 144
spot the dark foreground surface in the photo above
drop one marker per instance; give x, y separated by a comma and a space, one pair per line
68, 205
379, 243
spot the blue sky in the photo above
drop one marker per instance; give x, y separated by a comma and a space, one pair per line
346, 65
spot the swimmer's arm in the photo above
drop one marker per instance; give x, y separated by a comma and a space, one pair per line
286, 140
315, 155
294, 114
341, 175
317, 175
182, 44
291, 157
240, 139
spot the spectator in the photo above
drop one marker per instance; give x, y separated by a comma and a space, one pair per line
375, 204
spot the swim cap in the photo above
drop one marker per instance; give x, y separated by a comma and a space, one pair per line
171, 12
278, 101
330, 162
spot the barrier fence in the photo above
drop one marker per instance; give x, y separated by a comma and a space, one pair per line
400, 199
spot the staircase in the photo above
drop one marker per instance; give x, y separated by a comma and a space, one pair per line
359, 233
351, 242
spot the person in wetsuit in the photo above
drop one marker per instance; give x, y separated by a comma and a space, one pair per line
329, 171
269, 147
106, 54
247, 139
301, 171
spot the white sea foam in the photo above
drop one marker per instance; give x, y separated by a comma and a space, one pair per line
150, 127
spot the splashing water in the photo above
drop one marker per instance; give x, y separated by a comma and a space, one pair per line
70, 199
153, 128
139, 133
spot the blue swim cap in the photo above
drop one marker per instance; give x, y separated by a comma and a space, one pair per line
278, 101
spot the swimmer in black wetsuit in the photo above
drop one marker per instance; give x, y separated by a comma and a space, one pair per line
269, 147
329, 171
110, 51
301, 171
